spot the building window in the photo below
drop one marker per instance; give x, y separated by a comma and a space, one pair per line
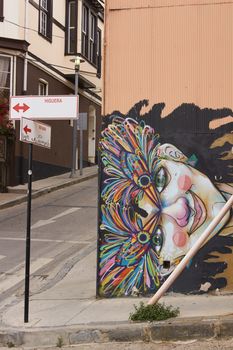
92, 39
89, 35
43, 87
71, 27
85, 24
98, 51
5, 77
45, 18
1, 11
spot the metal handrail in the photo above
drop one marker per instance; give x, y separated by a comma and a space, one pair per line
201, 240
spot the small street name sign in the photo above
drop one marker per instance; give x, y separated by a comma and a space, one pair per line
36, 133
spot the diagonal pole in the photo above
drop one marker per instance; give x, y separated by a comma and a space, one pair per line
180, 267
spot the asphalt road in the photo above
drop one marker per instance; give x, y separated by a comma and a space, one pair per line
211, 344
63, 223
194, 345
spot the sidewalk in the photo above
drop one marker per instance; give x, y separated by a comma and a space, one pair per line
69, 310
18, 194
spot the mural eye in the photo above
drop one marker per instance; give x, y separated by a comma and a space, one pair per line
161, 179
144, 181
157, 239
143, 237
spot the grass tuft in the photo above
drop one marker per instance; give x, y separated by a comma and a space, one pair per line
10, 344
60, 342
156, 312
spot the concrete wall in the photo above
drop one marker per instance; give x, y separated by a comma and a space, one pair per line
166, 147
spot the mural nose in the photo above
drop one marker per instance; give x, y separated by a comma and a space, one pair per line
179, 211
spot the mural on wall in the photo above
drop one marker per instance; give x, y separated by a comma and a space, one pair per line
162, 181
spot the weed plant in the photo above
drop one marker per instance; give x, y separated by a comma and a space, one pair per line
156, 312
60, 342
10, 344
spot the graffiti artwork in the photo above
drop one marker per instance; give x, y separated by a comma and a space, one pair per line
158, 193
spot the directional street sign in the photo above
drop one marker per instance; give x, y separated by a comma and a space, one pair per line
44, 107
82, 121
35, 132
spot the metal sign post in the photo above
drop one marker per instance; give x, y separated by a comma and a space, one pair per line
38, 134
81, 146
74, 131
82, 125
28, 237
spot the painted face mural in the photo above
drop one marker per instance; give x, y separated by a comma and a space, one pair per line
154, 206
188, 204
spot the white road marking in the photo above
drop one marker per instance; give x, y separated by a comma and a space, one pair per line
9, 280
41, 240
54, 218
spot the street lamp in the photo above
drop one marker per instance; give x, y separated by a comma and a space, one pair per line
77, 61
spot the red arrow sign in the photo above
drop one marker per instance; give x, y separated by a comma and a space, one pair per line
26, 129
24, 107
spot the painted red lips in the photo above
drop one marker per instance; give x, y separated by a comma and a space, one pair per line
199, 213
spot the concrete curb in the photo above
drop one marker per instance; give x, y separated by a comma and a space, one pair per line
180, 329
41, 192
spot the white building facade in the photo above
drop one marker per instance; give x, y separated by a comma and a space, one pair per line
38, 40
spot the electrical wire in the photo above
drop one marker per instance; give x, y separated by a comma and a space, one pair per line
33, 30
68, 68
56, 65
